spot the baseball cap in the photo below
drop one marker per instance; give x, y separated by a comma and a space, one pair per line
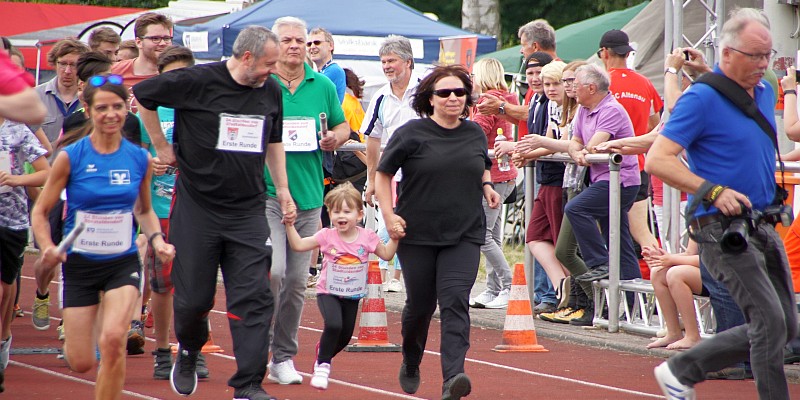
616, 40
538, 59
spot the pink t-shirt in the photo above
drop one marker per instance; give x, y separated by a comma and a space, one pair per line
344, 265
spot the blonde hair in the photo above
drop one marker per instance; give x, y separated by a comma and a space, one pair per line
569, 105
553, 70
345, 193
488, 74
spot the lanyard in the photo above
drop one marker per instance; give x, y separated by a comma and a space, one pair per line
64, 110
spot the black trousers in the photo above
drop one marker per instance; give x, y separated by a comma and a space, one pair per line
444, 274
339, 315
205, 241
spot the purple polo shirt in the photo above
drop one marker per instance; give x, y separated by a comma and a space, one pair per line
608, 116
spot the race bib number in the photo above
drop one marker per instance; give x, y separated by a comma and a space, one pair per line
108, 233
346, 280
5, 166
242, 133
300, 134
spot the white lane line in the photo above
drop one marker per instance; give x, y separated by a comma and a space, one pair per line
76, 379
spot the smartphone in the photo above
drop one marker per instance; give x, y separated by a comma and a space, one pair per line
686, 55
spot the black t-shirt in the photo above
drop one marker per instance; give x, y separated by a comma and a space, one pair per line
130, 128
548, 173
442, 191
229, 182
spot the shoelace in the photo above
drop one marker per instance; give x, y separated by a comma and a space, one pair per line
186, 363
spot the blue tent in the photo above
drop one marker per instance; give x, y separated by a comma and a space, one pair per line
363, 23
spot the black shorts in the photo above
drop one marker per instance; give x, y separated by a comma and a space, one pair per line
83, 279
644, 188
12, 248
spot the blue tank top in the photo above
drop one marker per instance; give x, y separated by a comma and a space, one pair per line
103, 185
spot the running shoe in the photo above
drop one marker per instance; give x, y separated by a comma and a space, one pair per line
202, 367
480, 300
394, 286
60, 331
409, 378
41, 313
284, 373
670, 386
5, 350
320, 378
18, 311
147, 317
252, 392
501, 301
456, 387
162, 364
183, 377
135, 343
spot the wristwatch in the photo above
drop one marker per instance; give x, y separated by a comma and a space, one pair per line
671, 70
502, 108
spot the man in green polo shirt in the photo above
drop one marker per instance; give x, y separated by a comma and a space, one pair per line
306, 94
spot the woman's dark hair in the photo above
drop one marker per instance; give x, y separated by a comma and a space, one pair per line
90, 90
91, 64
421, 103
175, 54
354, 83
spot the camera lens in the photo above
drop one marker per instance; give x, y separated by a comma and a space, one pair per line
734, 239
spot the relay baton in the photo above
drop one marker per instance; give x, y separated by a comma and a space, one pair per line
323, 124
70, 239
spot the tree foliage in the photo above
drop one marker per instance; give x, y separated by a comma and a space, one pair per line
515, 13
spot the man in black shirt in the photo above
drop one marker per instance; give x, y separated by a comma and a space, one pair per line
228, 118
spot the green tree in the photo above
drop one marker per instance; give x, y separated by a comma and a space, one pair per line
515, 13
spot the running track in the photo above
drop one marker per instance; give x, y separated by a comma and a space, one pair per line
567, 371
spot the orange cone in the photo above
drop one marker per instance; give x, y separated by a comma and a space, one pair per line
373, 335
209, 347
519, 334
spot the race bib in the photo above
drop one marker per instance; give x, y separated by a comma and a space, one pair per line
346, 280
105, 233
300, 134
5, 166
243, 133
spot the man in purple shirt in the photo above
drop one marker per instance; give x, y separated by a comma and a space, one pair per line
601, 118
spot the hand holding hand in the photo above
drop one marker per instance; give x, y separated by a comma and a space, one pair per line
490, 104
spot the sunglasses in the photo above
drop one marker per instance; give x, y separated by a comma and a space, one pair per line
445, 93
100, 80
315, 43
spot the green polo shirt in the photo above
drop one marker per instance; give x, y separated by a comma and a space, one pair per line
315, 94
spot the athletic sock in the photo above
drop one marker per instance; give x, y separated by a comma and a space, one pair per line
42, 296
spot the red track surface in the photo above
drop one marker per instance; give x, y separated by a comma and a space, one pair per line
567, 371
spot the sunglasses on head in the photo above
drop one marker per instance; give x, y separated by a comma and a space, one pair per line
459, 92
100, 80
315, 42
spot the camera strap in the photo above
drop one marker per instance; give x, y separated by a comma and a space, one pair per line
744, 102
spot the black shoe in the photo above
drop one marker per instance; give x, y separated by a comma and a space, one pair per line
252, 392
596, 273
586, 319
2, 379
456, 387
409, 378
790, 357
730, 374
202, 368
163, 364
183, 377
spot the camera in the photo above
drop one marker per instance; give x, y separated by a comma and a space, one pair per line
735, 236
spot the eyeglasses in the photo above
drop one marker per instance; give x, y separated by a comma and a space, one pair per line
757, 57
598, 53
568, 81
158, 39
64, 65
100, 80
315, 43
445, 93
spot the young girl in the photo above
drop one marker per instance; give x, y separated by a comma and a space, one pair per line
343, 279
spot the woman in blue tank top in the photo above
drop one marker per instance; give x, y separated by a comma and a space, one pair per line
107, 180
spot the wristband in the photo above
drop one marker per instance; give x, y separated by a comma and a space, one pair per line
790, 91
714, 193
153, 236
489, 184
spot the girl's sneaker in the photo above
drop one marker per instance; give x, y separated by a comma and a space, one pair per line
320, 378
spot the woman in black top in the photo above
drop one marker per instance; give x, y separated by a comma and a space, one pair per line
440, 218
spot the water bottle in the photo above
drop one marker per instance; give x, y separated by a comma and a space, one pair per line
502, 162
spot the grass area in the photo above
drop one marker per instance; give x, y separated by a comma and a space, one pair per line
514, 254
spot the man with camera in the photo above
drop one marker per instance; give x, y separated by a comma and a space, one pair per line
731, 175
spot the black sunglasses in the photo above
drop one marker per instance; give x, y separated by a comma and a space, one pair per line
445, 93
315, 42
100, 80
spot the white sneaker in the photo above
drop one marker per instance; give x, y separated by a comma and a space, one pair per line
394, 286
320, 378
672, 388
5, 350
284, 373
480, 300
501, 301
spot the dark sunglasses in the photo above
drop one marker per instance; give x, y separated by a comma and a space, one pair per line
315, 43
100, 80
445, 93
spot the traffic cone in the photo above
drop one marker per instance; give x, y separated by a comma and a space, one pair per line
519, 334
209, 347
373, 335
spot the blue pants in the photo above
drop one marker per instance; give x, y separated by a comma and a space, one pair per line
543, 291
